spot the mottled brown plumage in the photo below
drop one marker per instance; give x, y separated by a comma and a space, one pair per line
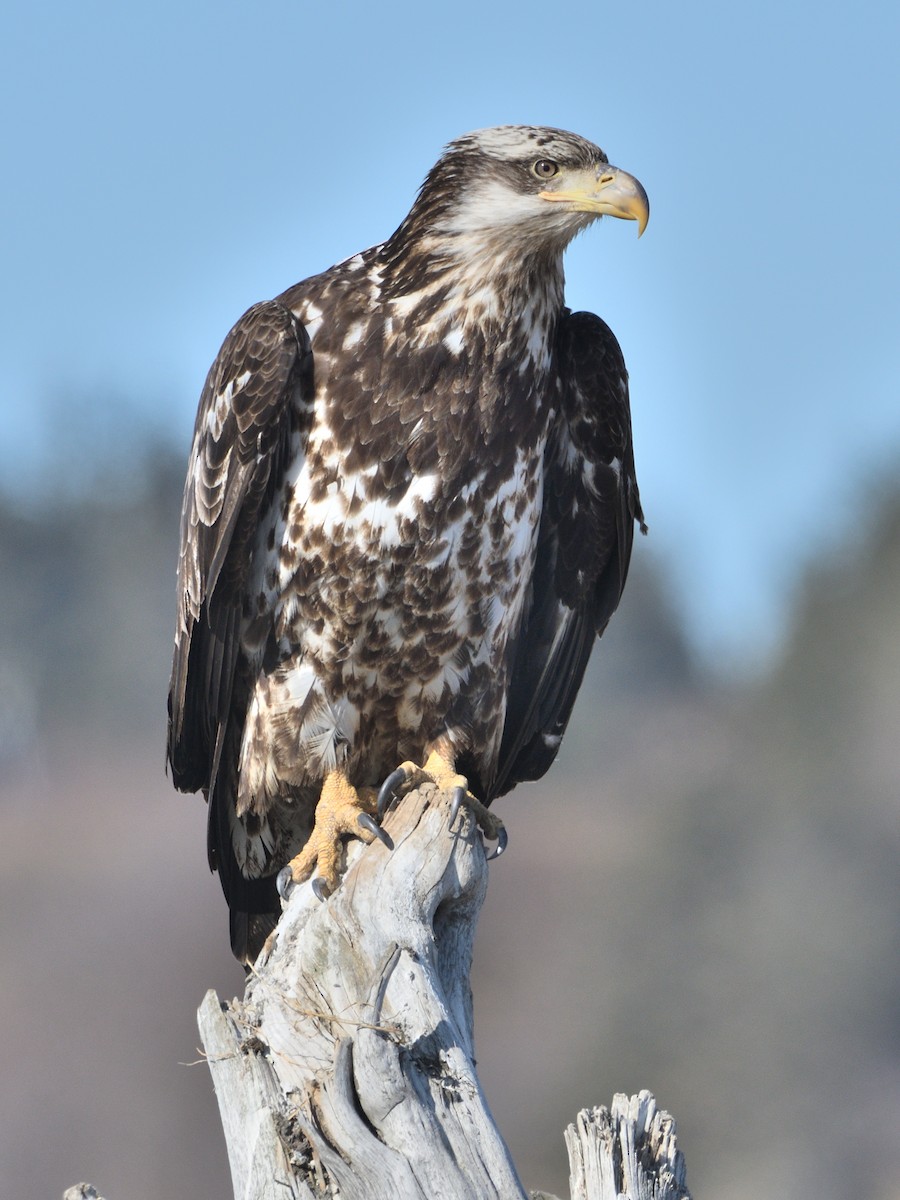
408, 512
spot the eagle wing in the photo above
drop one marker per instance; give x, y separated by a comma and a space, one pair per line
252, 403
591, 504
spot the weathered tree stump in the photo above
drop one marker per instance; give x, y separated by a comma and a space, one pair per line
348, 1068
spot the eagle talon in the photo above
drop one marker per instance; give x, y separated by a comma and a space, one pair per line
502, 843
371, 826
320, 889
284, 882
459, 795
388, 792
490, 826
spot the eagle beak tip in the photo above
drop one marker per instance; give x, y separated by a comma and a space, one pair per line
641, 208
627, 198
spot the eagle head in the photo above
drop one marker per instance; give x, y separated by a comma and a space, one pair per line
525, 185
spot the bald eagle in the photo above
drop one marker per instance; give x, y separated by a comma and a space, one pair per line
408, 515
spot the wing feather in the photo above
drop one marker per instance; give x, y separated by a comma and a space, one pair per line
252, 403
591, 504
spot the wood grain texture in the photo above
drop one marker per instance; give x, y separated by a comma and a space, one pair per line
348, 1067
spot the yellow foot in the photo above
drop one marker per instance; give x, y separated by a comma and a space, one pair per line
441, 771
342, 811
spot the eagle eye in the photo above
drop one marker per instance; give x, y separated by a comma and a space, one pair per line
545, 168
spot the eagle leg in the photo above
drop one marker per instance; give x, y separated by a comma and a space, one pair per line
343, 811
440, 770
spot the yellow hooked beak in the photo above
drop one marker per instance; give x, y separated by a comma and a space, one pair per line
605, 192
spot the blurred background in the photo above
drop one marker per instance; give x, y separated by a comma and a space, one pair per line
702, 897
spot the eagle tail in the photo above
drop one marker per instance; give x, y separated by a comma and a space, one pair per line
248, 934
253, 904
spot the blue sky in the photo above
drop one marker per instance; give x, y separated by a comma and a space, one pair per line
167, 166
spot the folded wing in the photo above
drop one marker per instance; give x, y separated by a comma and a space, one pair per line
591, 504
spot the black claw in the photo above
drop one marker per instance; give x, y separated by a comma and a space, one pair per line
320, 891
284, 882
388, 793
371, 826
459, 795
502, 843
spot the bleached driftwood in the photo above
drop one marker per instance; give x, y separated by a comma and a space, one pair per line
626, 1150
348, 1067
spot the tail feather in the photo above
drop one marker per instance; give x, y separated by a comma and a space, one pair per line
248, 934
253, 903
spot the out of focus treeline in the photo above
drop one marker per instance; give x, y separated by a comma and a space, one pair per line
701, 898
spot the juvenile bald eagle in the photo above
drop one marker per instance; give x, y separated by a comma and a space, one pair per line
408, 514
